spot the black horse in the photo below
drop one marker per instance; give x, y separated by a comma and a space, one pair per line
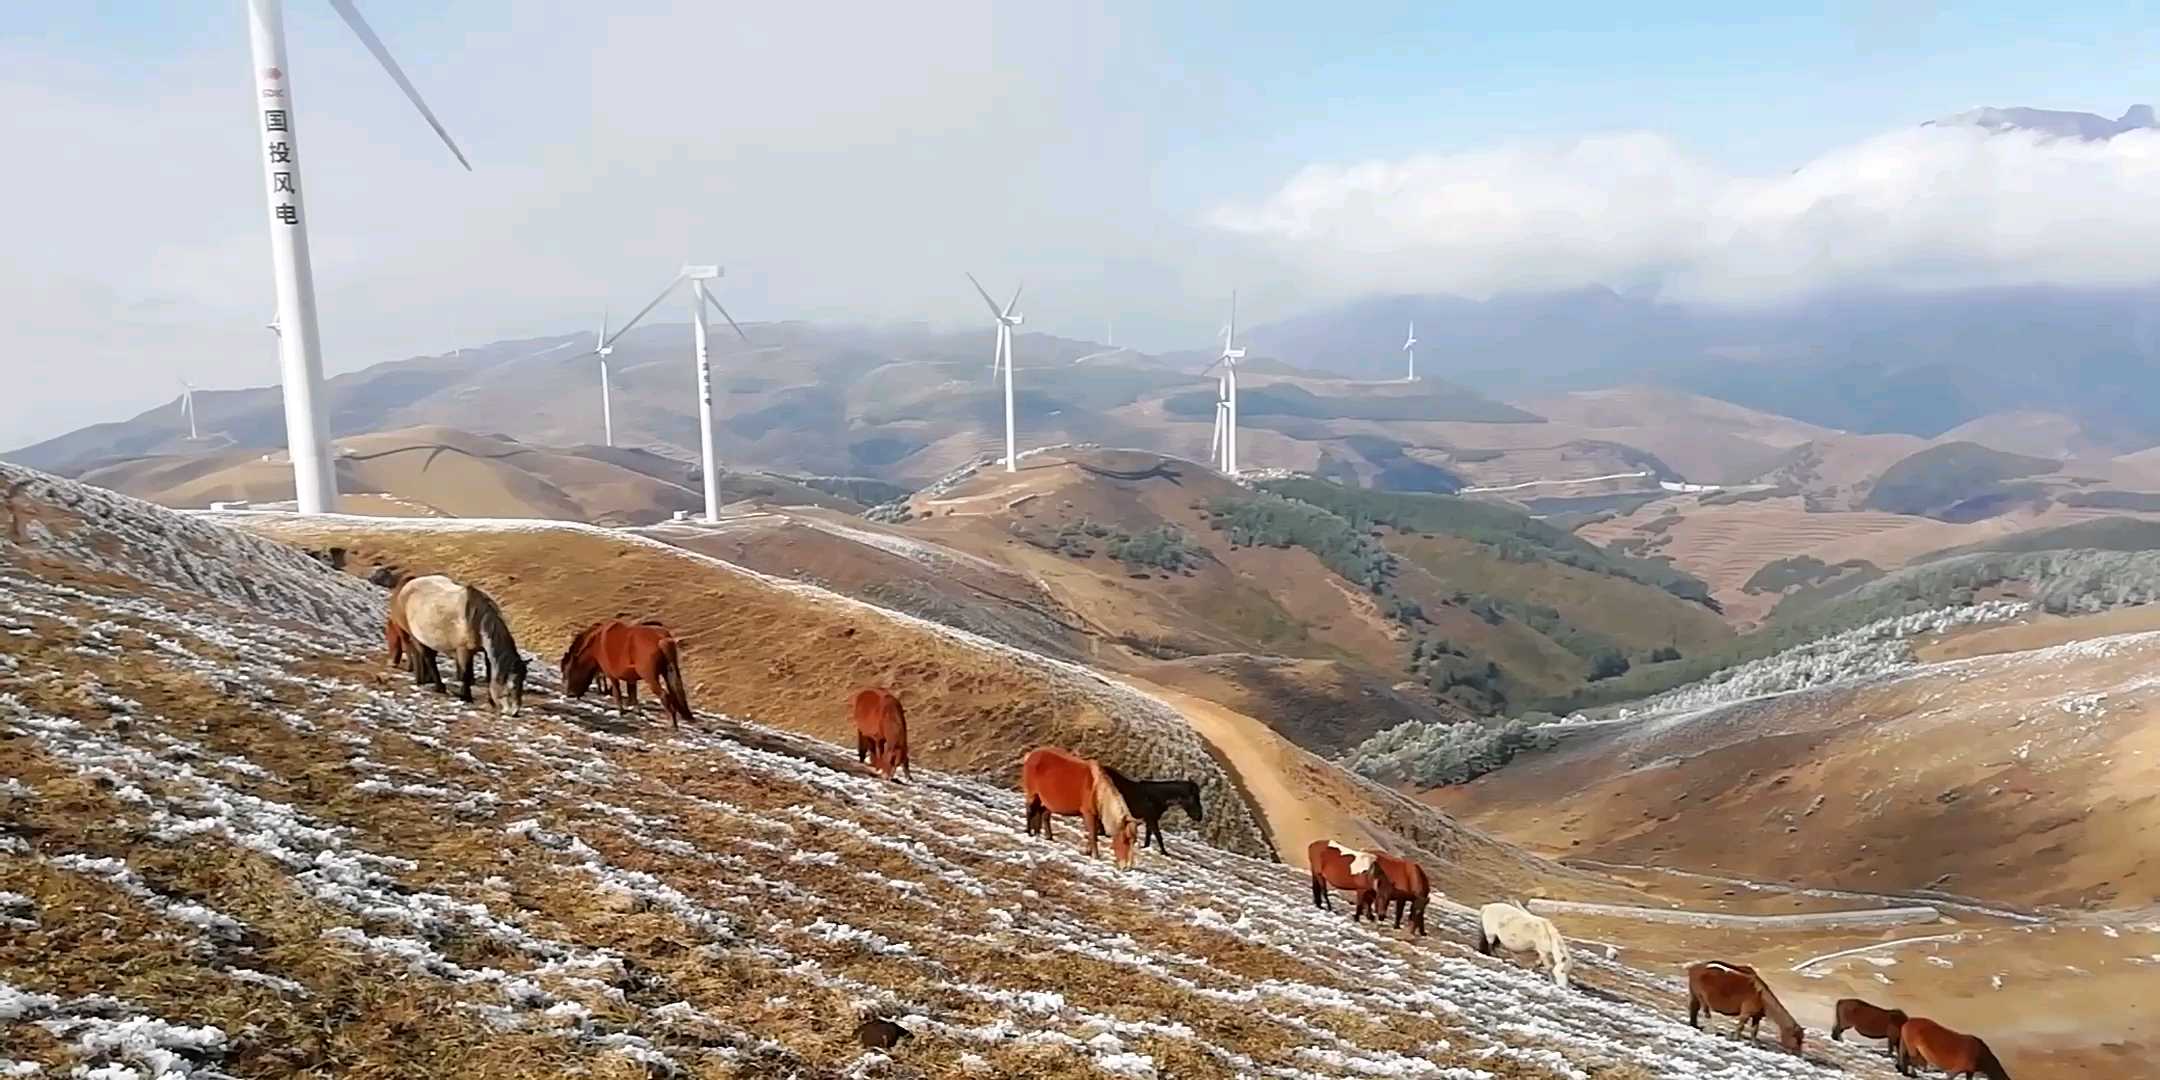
1149, 800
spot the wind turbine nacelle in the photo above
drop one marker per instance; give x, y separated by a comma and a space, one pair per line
1234, 354
1015, 319
702, 273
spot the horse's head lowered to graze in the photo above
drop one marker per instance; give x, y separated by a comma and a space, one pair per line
1188, 796
506, 688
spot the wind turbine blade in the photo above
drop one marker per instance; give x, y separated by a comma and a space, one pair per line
986, 296
375, 45
601, 338
609, 343
730, 318
1014, 302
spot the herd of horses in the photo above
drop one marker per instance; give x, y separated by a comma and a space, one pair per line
432, 616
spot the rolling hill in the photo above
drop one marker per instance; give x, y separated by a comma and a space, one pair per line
234, 845
894, 403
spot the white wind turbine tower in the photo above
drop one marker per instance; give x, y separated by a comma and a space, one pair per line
1409, 348
300, 349
1224, 445
1006, 318
602, 349
697, 276
187, 407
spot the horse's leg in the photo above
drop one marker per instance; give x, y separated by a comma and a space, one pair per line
1694, 1010
430, 673
1154, 833
465, 674
1088, 821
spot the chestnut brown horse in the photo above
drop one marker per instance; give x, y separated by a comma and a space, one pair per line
1871, 1021
1736, 990
1335, 866
1923, 1041
1058, 782
624, 653
1401, 883
881, 731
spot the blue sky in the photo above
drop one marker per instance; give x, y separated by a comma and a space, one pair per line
1128, 161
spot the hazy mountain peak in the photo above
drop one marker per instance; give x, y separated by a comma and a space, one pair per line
2053, 122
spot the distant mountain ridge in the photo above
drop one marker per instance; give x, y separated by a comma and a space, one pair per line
2059, 123
1869, 362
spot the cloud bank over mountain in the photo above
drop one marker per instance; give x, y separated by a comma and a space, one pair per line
1931, 208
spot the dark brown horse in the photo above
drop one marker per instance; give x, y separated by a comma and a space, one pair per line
1401, 883
1871, 1021
1149, 800
1924, 1041
624, 653
1334, 866
1056, 782
881, 731
1736, 990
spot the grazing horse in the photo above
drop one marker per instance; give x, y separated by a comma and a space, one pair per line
1403, 884
1736, 990
1149, 800
1926, 1042
1871, 1021
619, 654
1335, 866
1057, 782
1514, 928
434, 614
881, 731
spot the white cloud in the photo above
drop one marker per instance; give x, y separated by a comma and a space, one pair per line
1920, 208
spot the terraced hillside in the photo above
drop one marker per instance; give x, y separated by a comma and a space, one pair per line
231, 844
1728, 543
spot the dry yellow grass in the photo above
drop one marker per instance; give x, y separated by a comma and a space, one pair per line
226, 819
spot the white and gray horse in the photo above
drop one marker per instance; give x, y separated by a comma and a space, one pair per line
1515, 929
434, 614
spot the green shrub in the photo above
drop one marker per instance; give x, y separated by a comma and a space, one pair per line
1426, 755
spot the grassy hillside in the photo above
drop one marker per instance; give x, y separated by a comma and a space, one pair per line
234, 845
1954, 481
2100, 534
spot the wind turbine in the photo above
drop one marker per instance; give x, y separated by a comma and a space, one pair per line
697, 276
1409, 348
1006, 318
187, 407
1224, 446
300, 351
602, 349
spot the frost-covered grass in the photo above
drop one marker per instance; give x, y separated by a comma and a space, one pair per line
1879, 648
1133, 730
244, 849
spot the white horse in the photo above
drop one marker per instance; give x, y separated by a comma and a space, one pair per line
433, 614
1515, 929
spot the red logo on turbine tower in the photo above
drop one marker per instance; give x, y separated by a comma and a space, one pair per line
273, 73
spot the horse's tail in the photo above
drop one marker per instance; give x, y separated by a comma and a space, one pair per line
1989, 1063
678, 702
